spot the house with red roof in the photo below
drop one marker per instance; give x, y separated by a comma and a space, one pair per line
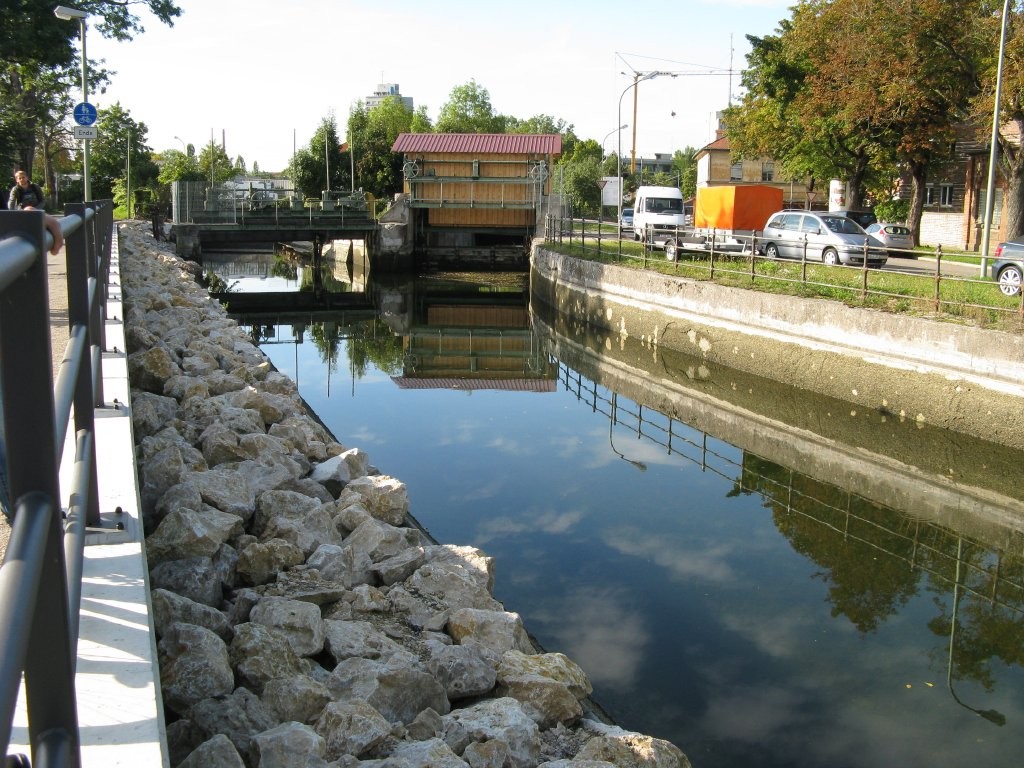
476, 192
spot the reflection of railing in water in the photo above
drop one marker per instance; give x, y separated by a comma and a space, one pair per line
666, 436
927, 539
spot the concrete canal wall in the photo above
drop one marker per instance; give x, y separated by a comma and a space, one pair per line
938, 373
302, 616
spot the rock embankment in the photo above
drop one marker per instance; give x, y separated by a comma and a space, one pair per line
303, 619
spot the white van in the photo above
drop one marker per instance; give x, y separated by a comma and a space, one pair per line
657, 211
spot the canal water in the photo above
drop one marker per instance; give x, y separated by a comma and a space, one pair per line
761, 576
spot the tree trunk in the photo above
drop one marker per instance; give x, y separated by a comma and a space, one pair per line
855, 184
918, 178
1013, 200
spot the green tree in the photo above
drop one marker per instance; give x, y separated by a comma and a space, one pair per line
35, 43
469, 110
178, 166
118, 137
685, 164
214, 163
823, 104
311, 165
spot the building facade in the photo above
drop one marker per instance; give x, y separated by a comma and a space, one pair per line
384, 91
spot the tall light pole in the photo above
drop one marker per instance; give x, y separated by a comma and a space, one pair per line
993, 147
613, 130
184, 147
637, 79
68, 14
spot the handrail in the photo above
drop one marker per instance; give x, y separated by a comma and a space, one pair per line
40, 578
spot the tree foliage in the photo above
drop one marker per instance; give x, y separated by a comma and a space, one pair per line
38, 49
861, 90
321, 165
119, 137
469, 110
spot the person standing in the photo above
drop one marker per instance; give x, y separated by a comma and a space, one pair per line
25, 194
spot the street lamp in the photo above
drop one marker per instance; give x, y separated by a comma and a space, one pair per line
68, 14
637, 79
184, 147
993, 146
613, 130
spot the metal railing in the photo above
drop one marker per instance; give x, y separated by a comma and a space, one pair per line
201, 202
740, 260
41, 574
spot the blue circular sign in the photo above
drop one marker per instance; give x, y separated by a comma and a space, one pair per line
85, 113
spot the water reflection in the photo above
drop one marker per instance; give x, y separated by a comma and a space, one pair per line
763, 576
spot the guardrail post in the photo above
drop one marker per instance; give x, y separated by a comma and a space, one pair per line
84, 310
864, 273
753, 256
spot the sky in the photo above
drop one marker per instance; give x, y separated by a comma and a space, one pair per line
262, 74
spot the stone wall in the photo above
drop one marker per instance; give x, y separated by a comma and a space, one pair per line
952, 376
303, 618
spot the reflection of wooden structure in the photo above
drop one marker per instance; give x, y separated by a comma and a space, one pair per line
466, 335
480, 192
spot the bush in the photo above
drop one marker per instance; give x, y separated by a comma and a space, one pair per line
892, 210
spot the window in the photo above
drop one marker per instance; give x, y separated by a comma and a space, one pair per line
941, 195
736, 172
768, 171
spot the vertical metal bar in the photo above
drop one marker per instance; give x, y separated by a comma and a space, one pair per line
81, 270
938, 277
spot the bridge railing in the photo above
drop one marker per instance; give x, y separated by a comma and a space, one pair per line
40, 578
195, 202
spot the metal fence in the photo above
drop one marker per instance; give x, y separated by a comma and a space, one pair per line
195, 202
40, 579
739, 260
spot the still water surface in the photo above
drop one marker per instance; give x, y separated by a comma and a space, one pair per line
753, 595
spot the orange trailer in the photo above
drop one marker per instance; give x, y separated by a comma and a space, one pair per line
736, 208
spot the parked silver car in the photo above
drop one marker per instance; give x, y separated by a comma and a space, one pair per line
895, 237
1008, 267
822, 236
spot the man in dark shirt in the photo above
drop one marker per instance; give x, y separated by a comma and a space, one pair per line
25, 194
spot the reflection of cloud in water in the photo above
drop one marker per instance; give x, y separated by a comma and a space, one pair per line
553, 522
362, 435
511, 447
752, 714
460, 433
478, 492
599, 631
706, 563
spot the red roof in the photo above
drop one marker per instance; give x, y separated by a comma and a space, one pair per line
480, 143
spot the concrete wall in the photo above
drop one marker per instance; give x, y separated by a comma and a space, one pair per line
937, 373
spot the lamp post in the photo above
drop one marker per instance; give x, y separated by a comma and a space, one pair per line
613, 130
637, 79
184, 146
68, 14
993, 147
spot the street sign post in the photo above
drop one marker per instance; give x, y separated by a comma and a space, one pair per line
85, 113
